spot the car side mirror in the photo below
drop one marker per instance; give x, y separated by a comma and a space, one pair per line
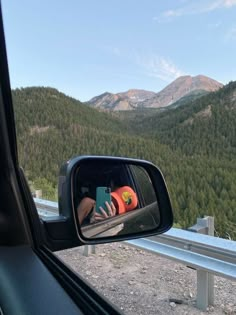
114, 198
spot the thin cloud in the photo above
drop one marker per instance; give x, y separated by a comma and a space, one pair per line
194, 8
229, 3
159, 67
151, 65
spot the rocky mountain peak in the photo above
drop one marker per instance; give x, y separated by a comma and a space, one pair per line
135, 98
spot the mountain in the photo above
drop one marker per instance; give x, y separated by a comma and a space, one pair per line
47, 108
121, 101
193, 144
205, 125
135, 99
186, 99
202, 133
184, 85
52, 127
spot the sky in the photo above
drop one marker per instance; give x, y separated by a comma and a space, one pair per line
86, 48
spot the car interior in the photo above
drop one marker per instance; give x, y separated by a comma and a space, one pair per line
88, 178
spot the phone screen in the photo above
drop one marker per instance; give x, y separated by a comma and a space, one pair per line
103, 194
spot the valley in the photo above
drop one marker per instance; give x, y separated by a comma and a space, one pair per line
193, 143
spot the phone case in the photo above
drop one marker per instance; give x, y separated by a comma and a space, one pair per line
103, 194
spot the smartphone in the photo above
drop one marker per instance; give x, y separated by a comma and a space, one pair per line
103, 194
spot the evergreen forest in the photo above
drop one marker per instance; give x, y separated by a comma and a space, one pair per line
194, 144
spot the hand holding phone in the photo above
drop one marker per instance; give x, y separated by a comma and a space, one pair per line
103, 195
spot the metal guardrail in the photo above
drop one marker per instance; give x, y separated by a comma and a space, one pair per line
210, 246
206, 264
46, 208
207, 254
198, 261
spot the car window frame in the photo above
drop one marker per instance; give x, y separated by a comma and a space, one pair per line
19, 200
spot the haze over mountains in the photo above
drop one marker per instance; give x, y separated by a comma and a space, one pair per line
133, 99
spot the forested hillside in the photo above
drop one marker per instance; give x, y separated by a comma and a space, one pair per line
201, 175
203, 132
205, 126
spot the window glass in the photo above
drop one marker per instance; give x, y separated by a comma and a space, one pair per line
145, 185
94, 78
152, 80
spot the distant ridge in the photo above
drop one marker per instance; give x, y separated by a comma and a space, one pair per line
133, 99
121, 101
180, 87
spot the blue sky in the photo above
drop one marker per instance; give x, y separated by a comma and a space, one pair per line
85, 48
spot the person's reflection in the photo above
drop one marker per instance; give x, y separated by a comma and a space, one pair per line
124, 199
87, 211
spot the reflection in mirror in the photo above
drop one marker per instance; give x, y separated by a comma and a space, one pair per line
114, 198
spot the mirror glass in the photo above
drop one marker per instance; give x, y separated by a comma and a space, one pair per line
113, 198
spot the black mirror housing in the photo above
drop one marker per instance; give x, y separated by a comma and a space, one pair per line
146, 208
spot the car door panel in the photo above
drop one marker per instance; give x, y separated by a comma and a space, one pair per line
27, 287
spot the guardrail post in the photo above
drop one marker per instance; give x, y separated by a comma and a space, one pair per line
205, 280
89, 249
38, 193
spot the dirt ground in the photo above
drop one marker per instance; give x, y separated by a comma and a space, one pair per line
142, 283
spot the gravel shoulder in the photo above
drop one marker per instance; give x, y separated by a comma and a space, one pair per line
141, 283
